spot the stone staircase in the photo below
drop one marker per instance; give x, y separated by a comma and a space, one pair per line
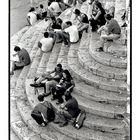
100, 79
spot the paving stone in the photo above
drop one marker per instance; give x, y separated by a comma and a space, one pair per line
13, 136
22, 130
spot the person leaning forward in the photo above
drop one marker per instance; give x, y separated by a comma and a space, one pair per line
49, 80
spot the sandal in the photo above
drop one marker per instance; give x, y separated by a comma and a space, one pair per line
99, 49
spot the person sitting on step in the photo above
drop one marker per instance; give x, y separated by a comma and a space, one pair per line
54, 8
111, 30
32, 16
97, 19
43, 112
49, 80
47, 42
68, 110
83, 21
41, 12
66, 84
24, 59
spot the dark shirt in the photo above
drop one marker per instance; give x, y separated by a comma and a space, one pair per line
56, 26
113, 27
84, 18
72, 107
24, 57
101, 19
59, 74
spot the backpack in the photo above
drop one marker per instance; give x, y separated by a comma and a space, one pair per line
80, 119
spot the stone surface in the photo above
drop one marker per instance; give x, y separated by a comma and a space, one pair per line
97, 95
96, 68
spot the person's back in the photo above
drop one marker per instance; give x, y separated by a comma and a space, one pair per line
24, 57
113, 27
47, 44
32, 16
72, 107
55, 7
73, 32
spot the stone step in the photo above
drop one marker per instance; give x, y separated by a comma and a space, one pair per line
43, 63
105, 58
99, 82
14, 40
53, 57
45, 132
116, 49
69, 130
18, 126
96, 68
97, 95
13, 136
62, 58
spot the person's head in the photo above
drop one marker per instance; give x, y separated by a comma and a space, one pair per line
108, 17
58, 67
68, 23
17, 49
66, 74
58, 0
41, 6
98, 6
77, 12
46, 34
40, 98
59, 21
53, 19
32, 9
67, 94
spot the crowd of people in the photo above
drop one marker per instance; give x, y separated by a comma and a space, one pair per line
59, 83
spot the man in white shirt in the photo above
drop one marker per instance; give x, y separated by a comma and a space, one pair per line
46, 43
54, 8
70, 34
31, 16
73, 32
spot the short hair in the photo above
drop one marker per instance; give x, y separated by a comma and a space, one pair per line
69, 23
46, 34
32, 9
77, 12
40, 98
41, 6
59, 65
17, 48
108, 16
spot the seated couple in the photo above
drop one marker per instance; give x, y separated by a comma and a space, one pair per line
45, 112
56, 85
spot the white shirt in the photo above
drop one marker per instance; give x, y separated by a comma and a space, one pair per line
33, 17
47, 44
73, 32
54, 7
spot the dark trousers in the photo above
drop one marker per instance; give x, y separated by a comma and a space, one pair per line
37, 117
65, 37
58, 93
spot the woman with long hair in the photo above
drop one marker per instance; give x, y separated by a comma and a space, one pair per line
98, 19
66, 84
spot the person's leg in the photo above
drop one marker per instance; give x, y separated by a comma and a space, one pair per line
83, 27
59, 94
48, 85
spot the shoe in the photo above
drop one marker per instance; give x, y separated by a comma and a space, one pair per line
63, 124
99, 49
56, 121
34, 85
